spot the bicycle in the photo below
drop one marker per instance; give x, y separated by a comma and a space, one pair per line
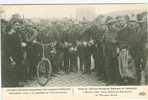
44, 67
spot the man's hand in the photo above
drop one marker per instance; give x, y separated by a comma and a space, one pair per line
12, 61
23, 44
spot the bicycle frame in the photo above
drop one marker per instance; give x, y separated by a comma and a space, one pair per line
43, 48
44, 59
43, 53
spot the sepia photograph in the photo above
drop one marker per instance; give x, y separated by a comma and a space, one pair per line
74, 45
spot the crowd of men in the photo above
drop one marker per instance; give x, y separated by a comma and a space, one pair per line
101, 42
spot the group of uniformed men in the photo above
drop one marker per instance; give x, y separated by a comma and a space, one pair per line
75, 56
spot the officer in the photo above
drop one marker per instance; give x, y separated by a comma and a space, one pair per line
97, 48
132, 38
111, 66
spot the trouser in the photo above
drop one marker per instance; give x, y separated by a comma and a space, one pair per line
32, 64
73, 63
108, 74
146, 72
87, 68
54, 65
99, 62
108, 58
138, 71
60, 61
18, 72
66, 63
81, 63
87, 65
12, 76
138, 54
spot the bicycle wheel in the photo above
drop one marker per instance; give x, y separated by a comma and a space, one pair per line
44, 70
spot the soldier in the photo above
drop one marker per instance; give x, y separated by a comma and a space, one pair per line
142, 18
73, 57
143, 39
111, 67
97, 48
66, 56
132, 39
5, 58
87, 58
99, 58
15, 53
59, 56
52, 56
80, 55
80, 52
34, 53
56, 56
32, 50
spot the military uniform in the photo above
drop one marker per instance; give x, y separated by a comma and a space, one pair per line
34, 54
134, 40
111, 62
14, 50
87, 59
99, 58
73, 58
81, 54
66, 57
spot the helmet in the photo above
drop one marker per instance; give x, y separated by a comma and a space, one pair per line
132, 18
110, 20
142, 17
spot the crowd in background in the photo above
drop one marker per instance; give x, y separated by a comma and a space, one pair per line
113, 42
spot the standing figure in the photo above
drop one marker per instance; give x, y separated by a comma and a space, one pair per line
111, 61
87, 58
132, 38
73, 58
66, 56
34, 53
14, 53
53, 56
81, 56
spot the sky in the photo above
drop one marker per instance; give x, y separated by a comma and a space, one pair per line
70, 1
60, 11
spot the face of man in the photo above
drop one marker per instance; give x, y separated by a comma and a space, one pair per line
12, 31
16, 25
122, 22
113, 26
144, 20
132, 24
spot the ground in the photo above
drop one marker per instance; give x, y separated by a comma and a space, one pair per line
71, 79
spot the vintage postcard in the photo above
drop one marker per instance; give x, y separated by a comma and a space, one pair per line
74, 50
